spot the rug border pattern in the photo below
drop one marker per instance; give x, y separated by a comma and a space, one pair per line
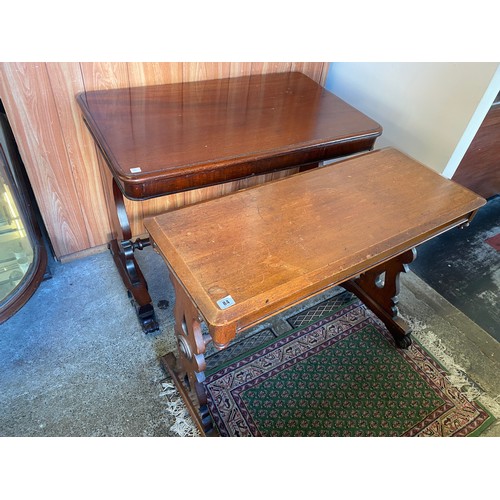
358, 317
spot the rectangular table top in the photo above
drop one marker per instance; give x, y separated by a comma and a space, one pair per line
276, 244
168, 138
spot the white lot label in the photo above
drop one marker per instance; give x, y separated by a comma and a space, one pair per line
226, 302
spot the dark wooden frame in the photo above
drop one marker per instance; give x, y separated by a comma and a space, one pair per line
25, 202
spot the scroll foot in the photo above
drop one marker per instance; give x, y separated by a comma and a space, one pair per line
188, 367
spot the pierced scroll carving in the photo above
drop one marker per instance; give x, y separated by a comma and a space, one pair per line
378, 288
189, 367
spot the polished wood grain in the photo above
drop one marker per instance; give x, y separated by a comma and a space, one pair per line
107, 76
277, 244
60, 155
164, 139
479, 169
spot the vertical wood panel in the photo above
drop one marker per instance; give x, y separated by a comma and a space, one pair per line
104, 76
154, 73
60, 154
205, 71
313, 70
66, 81
271, 67
240, 69
31, 110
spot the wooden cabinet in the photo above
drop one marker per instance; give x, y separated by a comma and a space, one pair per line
479, 169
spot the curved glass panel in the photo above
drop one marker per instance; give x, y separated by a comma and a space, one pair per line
16, 249
23, 256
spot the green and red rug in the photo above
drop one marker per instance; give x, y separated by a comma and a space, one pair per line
340, 375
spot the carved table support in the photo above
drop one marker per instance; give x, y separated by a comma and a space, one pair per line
187, 371
378, 289
122, 251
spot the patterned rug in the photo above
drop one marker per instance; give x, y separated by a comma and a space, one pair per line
340, 375
494, 241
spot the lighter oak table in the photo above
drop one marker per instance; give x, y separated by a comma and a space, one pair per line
164, 139
242, 258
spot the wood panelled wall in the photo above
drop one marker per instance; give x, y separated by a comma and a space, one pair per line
60, 156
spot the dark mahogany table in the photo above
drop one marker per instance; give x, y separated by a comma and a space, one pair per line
164, 139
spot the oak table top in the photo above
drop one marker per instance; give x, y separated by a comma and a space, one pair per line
164, 139
277, 244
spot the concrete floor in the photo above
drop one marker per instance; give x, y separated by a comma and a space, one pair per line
462, 267
74, 361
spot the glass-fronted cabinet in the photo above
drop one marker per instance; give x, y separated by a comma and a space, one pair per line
23, 257
16, 249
